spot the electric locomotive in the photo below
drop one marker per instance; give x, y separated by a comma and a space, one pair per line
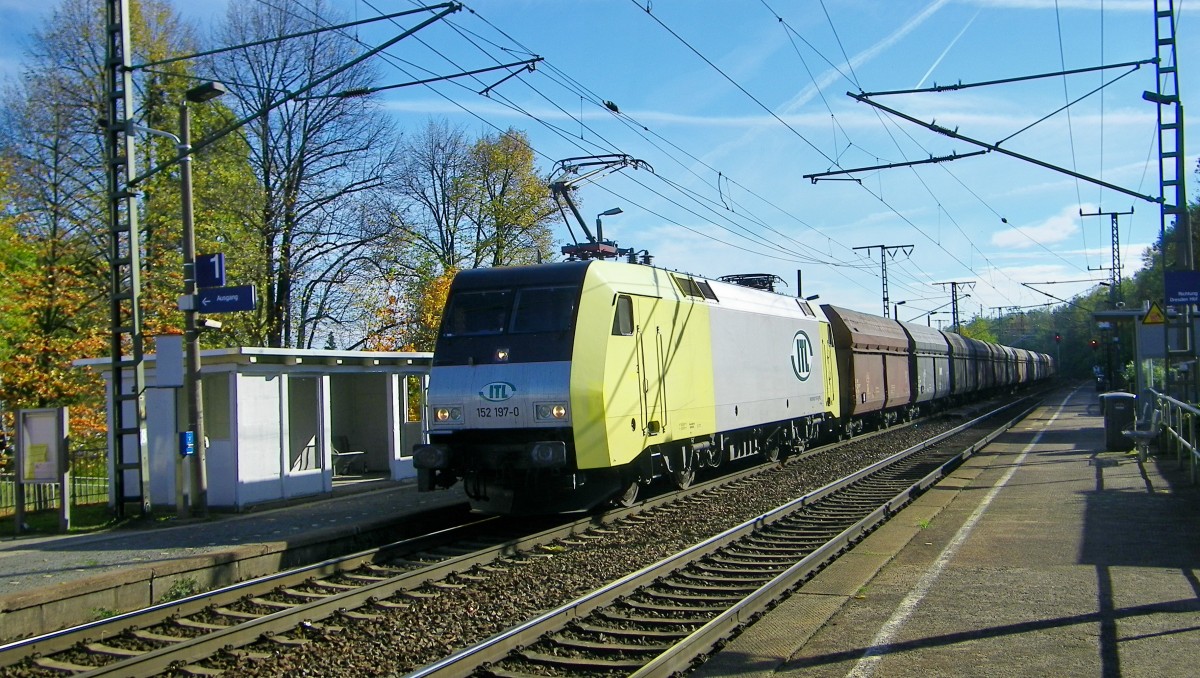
562, 386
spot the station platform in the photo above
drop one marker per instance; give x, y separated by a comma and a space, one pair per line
1043, 555
52, 582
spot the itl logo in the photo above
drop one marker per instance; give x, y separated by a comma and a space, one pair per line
801, 354
497, 391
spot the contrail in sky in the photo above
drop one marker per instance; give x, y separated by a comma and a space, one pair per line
833, 75
946, 51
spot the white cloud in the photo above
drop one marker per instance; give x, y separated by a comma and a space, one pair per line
1056, 229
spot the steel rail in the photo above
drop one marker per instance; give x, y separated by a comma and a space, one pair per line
703, 641
498, 647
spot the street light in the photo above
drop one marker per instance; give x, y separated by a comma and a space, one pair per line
195, 393
599, 226
896, 309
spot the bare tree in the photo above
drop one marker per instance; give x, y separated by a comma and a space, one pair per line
472, 204
432, 183
316, 158
461, 204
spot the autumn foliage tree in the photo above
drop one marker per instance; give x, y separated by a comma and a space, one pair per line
47, 320
410, 318
54, 196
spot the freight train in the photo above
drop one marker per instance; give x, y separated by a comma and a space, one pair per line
562, 387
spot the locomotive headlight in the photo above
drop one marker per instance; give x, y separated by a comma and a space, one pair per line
447, 415
550, 411
551, 454
431, 456
502, 355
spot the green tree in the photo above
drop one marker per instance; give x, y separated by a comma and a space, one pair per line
222, 181
510, 204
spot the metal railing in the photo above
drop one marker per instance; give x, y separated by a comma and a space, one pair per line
85, 490
1179, 430
88, 478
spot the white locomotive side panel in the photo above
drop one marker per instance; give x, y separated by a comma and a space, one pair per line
767, 364
499, 396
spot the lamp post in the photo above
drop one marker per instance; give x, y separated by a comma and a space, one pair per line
600, 227
195, 393
896, 309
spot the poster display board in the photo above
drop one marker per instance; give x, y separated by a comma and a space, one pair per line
42, 457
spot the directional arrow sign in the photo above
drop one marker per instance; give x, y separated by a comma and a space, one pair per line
226, 299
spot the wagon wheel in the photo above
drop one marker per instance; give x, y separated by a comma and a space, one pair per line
684, 477
629, 497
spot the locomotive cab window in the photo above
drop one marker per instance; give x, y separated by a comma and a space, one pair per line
623, 318
544, 309
691, 287
477, 313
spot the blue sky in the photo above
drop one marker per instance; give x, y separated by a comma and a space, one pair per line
733, 102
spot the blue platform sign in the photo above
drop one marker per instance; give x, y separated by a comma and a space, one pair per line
1183, 287
187, 443
227, 299
210, 270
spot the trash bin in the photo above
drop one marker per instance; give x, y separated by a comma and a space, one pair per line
1120, 412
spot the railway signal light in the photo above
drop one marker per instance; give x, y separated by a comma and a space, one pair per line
1057, 338
1094, 344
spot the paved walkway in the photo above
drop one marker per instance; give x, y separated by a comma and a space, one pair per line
1045, 555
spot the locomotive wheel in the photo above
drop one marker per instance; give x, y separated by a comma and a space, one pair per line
771, 453
629, 497
683, 478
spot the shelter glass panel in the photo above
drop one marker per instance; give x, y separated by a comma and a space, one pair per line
303, 424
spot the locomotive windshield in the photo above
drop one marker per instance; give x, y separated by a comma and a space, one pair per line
519, 314
544, 309
475, 313
527, 311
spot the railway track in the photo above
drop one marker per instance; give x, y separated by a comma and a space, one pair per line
253, 621
665, 618
286, 606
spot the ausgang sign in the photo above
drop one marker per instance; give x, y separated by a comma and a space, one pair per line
226, 299
1183, 287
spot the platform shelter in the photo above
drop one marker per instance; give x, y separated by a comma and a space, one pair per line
281, 423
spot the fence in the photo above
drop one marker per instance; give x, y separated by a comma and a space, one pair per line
1179, 428
89, 485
